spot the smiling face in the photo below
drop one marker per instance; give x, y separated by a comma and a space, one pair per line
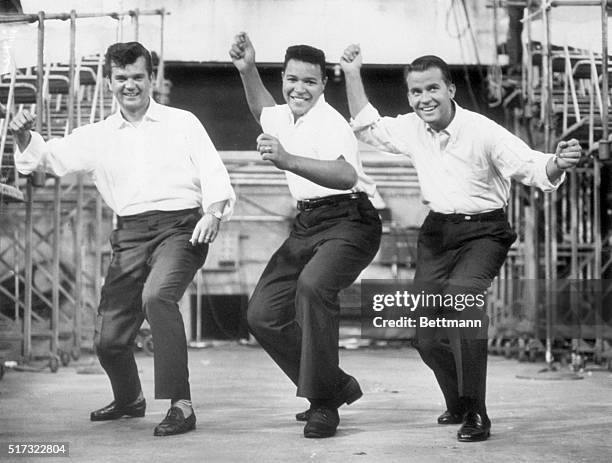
131, 85
431, 97
303, 84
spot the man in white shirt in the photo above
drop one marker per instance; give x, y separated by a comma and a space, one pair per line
465, 163
294, 309
157, 169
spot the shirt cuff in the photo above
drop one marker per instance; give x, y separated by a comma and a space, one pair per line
228, 210
547, 185
366, 117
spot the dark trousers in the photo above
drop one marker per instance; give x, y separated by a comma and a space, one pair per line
294, 309
152, 264
457, 258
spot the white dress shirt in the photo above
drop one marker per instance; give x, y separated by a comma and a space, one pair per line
322, 133
166, 162
465, 168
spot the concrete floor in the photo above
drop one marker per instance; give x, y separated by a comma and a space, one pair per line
245, 409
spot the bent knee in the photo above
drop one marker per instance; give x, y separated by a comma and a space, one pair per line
110, 346
258, 319
309, 286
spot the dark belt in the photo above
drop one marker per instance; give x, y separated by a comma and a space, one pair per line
152, 218
492, 216
308, 204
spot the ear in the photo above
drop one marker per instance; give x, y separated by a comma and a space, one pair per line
324, 82
452, 89
408, 98
108, 83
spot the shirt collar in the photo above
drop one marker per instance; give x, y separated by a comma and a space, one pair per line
452, 128
153, 114
312, 113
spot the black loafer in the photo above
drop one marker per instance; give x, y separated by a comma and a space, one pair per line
322, 422
113, 412
450, 418
474, 428
349, 393
175, 423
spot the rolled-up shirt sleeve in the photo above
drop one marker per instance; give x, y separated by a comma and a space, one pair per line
214, 178
515, 159
388, 134
58, 156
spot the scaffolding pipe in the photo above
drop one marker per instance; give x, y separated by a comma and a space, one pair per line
98, 249
160, 66
78, 266
546, 115
31, 18
604, 148
76, 339
528, 56
604, 154
55, 280
27, 316
71, 71
135, 20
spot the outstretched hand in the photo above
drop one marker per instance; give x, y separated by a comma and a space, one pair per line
242, 52
351, 60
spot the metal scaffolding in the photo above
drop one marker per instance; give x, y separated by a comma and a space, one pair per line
64, 97
561, 236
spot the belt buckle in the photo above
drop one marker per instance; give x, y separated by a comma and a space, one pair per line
303, 205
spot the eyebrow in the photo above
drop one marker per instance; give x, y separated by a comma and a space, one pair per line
304, 78
135, 74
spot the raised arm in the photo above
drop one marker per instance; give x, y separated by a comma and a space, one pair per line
242, 53
351, 61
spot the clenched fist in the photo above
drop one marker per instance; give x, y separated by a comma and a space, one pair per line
20, 127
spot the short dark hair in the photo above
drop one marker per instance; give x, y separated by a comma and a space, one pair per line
307, 54
123, 53
426, 62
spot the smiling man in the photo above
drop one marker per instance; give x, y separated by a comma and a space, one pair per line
157, 169
465, 163
294, 309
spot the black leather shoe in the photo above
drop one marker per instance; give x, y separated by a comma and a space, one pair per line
113, 412
349, 393
322, 422
474, 428
303, 416
450, 418
175, 423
